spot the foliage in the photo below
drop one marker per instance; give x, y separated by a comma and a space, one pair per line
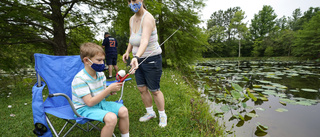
48, 22
223, 27
307, 42
263, 23
183, 46
294, 23
238, 27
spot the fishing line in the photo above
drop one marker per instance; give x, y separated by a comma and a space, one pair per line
123, 78
158, 46
203, 43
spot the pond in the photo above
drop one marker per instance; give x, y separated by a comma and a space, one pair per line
262, 98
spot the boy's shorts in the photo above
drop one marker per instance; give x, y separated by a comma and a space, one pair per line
112, 59
98, 111
149, 73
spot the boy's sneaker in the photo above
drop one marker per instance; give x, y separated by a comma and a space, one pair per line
147, 117
163, 121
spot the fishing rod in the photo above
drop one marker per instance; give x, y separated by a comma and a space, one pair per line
122, 78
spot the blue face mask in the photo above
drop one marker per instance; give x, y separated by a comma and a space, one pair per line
135, 7
97, 67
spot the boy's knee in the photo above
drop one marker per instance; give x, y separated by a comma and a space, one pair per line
123, 112
110, 119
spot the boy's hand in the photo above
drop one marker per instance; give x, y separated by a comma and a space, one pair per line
113, 93
115, 86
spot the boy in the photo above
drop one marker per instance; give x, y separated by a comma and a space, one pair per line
89, 92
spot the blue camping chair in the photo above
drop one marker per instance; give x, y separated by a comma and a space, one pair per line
58, 73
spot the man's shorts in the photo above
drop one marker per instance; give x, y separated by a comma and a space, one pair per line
149, 73
98, 111
111, 59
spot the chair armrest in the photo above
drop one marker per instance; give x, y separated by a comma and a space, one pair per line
69, 100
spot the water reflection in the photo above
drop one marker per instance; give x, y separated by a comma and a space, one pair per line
282, 84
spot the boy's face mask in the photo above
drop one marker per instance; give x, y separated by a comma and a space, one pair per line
135, 7
97, 67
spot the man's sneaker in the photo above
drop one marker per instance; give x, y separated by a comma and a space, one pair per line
147, 117
163, 121
109, 77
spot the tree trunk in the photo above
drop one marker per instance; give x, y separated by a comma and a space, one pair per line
59, 36
239, 48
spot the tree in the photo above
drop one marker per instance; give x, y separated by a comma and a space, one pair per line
223, 19
293, 22
49, 21
185, 45
239, 28
307, 42
282, 23
263, 22
218, 24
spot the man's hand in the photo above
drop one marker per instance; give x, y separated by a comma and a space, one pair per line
125, 57
134, 65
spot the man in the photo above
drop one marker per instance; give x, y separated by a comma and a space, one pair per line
110, 45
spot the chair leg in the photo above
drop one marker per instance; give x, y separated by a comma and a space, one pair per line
96, 127
75, 124
64, 126
51, 126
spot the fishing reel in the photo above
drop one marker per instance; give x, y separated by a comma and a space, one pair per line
121, 75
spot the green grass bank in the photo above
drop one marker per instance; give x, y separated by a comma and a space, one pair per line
187, 114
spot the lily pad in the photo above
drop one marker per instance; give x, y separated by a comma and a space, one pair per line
262, 127
261, 109
264, 82
235, 94
225, 108
257, 89
251, 95
283, 103
256, 86
282, 110
237, 87
309, 90
251, 115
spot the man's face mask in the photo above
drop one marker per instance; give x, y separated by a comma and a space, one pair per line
135, 7
97, 67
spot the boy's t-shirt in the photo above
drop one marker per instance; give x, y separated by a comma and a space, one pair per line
83, 84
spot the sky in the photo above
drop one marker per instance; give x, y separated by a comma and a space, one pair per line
251, 7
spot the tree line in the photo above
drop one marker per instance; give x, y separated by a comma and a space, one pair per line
59, 27
266, 35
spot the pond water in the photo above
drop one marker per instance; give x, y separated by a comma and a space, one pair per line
262, 98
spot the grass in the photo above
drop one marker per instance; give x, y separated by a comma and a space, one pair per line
187, 114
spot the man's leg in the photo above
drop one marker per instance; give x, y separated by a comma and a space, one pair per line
158, 99
110, 71
116, 68
147, 101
